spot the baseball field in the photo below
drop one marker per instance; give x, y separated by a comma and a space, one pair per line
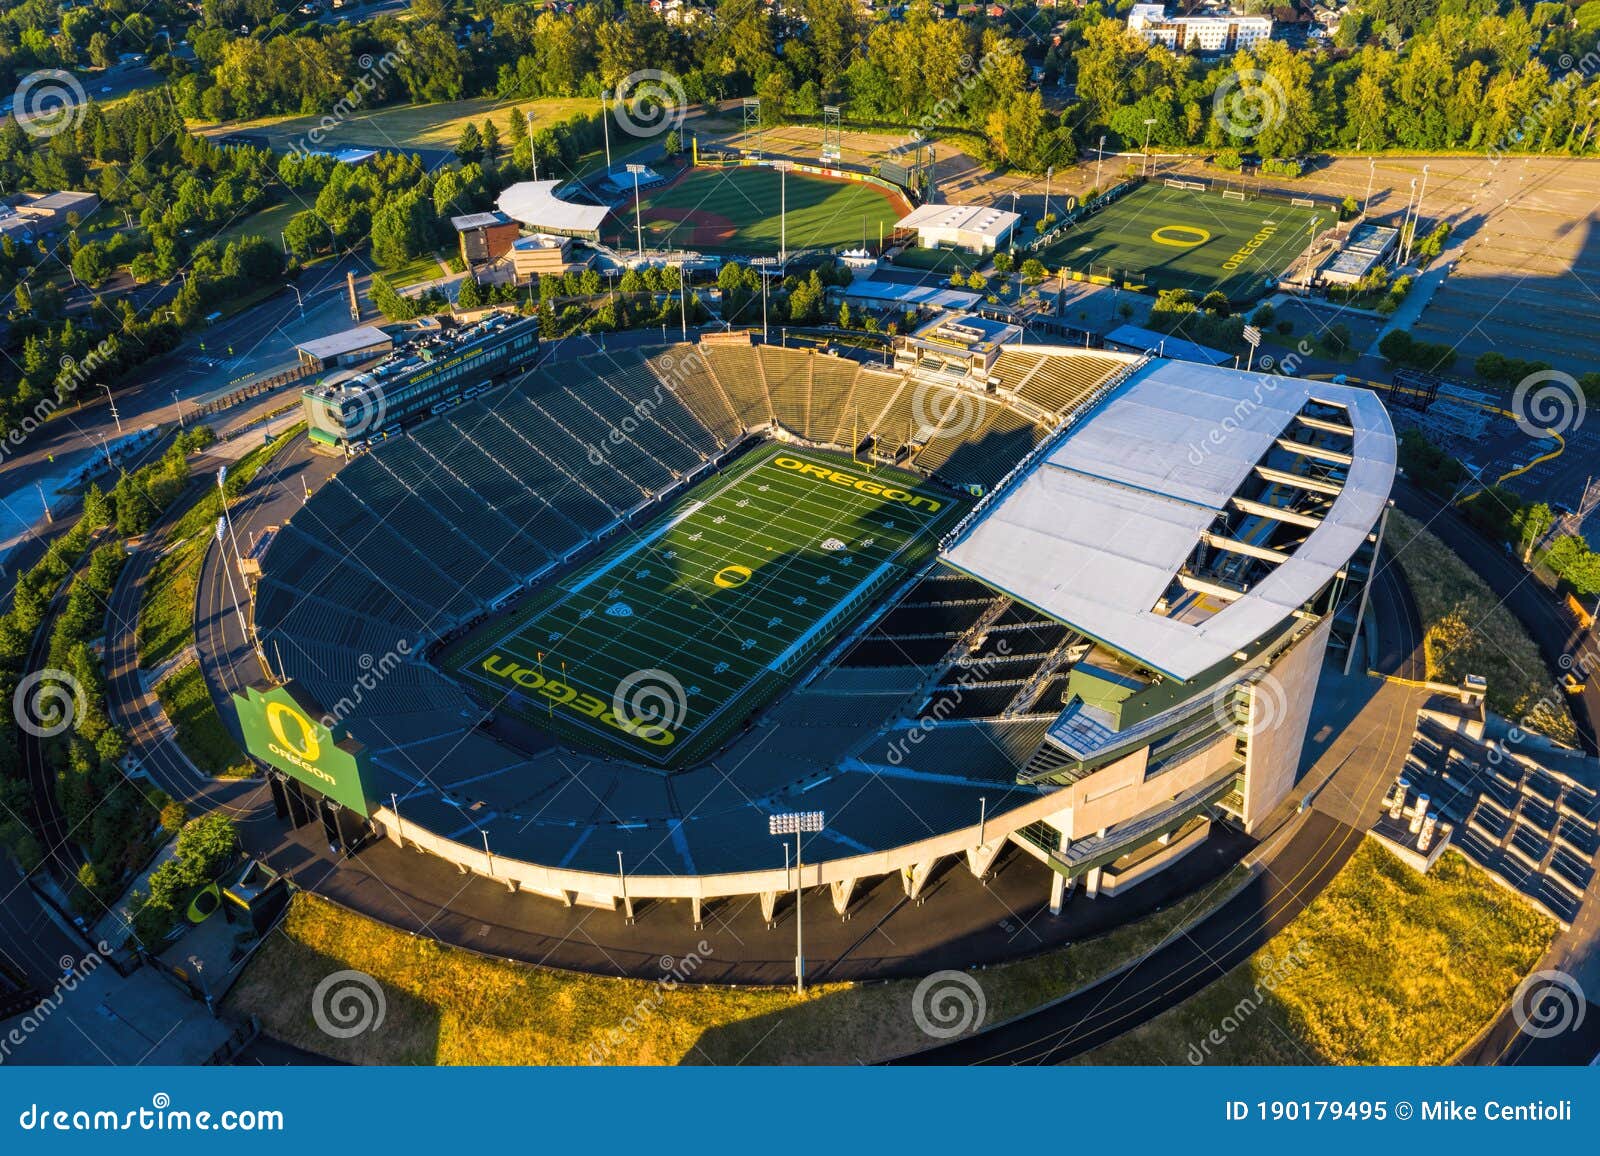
736, 209
659, 647
1177, 238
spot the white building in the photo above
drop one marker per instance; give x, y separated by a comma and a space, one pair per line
975, 228
1220, 32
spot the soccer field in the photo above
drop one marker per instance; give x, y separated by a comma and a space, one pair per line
659, 647
1185, 239
736, 210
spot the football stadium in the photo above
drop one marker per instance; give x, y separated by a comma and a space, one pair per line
1174, 236
736, 209
599, 630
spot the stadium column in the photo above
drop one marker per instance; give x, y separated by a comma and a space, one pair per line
1060, 885
843, 889
915, 877
981, 857
769, 906
1091, 883
698, 911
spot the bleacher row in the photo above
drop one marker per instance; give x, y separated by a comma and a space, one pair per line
1536, 830
1053, 383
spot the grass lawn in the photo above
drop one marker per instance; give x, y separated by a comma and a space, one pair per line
737, 209
1384, 967
448, 1006
1468, 631
166, 609
405, 127
778, 555
197, 726
268, 223
423, 268
1182, 239
944, 261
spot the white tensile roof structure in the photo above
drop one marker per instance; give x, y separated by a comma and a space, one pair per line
536, 205
1097, 528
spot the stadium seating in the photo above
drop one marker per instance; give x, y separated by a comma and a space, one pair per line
649, 399
833, 382
788, 376
1060, 383
737, 369
687, 377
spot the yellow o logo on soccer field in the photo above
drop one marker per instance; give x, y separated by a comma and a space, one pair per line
1181, 236
308, 747
731, 577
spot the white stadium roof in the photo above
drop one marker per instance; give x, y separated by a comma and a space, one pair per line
536, 205
980, 219
1098, 527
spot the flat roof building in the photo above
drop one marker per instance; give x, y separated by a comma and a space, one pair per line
1367, 248
973, 228
1217, 32
484, 237
348, 347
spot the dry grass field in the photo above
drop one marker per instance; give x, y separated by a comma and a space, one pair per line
1384, 967
449, 1006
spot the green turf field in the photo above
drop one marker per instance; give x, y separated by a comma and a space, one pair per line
736, 210
1183, 239
659, 647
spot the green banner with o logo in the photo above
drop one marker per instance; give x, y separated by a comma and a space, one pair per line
282, 728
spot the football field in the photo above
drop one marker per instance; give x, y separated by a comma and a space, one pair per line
659, 647
736, 209
1186, 239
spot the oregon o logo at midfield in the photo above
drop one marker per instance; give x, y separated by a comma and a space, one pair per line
1180, 236
306, 745
864, 485
731, 577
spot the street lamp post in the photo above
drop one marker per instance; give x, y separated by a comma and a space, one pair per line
683, 299
1100, 156
45, 502
1372, 171
605, 122
795, 823
638, 221
1145, 162
1416, 220
178, 401
763, 264
112, 402
1048, 173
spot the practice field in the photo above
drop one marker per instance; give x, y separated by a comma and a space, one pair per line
1187, 239
736, 210
659, 647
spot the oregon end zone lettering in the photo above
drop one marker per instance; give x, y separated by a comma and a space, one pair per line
865, 485
570, 698
1245, 250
